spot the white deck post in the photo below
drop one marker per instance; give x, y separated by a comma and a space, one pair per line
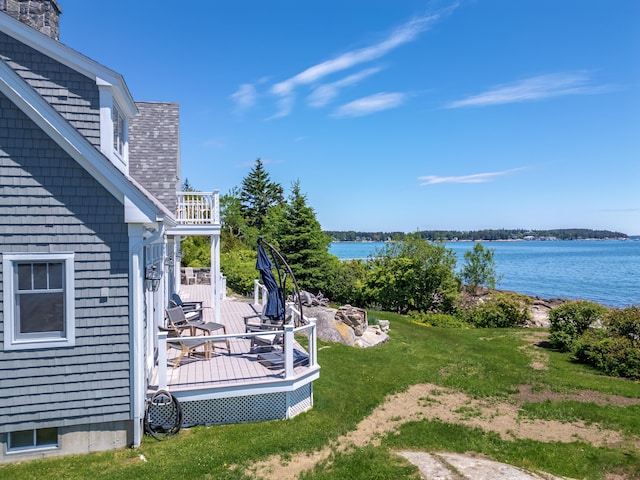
313, 343
214, 274
162, 360
256, 290
288, 351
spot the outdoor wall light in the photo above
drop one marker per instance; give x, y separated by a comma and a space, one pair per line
153, 276
169, 262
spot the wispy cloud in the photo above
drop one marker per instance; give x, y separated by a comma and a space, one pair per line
371, 104
406, 33
473, 178
534, 88
244, 97
323, 94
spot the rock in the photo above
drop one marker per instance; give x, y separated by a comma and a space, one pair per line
328, 328
311, 300
371, 337
384, 325
331, 328
355, 317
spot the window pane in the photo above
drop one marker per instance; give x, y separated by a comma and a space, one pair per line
47, 436
41, 312
24, 276
55, 275
21, 439
39, 276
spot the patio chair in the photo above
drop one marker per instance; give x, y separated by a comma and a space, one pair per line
273, 331
177, 319
267, 342
189, 275
187, 346
192, 310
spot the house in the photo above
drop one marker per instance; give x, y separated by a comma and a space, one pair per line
90, 224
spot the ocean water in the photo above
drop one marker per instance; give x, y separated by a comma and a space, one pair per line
602, 271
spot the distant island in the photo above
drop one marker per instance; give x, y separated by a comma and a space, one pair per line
487, 235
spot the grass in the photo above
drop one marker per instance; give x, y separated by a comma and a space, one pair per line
480, 362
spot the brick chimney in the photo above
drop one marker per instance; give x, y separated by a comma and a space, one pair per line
43, 15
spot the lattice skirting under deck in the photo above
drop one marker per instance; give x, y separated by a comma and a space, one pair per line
251, 408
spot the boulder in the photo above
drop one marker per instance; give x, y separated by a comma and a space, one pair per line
328, 328
371, 337
331, 328
355, 317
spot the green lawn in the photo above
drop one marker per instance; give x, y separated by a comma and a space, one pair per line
481, 363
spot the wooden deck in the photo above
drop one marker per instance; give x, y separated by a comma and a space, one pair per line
227, 373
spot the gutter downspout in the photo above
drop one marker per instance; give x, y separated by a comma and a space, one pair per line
137, 242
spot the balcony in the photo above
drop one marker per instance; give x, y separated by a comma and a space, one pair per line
197, 213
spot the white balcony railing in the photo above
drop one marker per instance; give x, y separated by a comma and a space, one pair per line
198, 208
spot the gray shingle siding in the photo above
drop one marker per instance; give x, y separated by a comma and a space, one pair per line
154, 146
73, 95
49, 203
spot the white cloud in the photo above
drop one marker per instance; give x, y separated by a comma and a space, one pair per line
244, 97
534, 88
323, 94
404, 34
371, 104
473, 178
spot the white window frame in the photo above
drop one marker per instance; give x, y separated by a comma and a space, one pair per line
34, 447
12, 341
119, 134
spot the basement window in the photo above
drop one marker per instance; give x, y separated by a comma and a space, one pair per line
36, 439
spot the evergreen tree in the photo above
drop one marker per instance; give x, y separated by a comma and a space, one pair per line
302, 242
231, 216
479, 268
258, 194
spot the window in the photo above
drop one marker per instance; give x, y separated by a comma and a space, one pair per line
119, 130
38, 300
33, 439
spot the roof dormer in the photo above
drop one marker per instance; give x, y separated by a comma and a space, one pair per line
115, 114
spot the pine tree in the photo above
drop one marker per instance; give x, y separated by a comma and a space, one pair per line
303, 243
258, 194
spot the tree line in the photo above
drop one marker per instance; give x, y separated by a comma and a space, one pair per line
475, 235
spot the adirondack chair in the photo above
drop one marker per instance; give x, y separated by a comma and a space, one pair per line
189, 275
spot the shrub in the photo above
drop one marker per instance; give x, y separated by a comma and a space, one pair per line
572, 319
239, 266
624, 323
612, 355
439, 320
412, 275
504, 310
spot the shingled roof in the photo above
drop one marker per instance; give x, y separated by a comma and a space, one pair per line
154, 150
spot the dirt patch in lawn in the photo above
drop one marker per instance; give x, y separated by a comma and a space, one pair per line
430, 402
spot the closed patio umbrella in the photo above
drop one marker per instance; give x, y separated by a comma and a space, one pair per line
274, 309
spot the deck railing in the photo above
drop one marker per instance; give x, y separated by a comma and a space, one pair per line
198, 208
260, 293
289, 331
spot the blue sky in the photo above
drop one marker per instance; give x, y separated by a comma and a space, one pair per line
396, 115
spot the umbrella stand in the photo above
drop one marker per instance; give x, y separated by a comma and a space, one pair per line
281, 264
